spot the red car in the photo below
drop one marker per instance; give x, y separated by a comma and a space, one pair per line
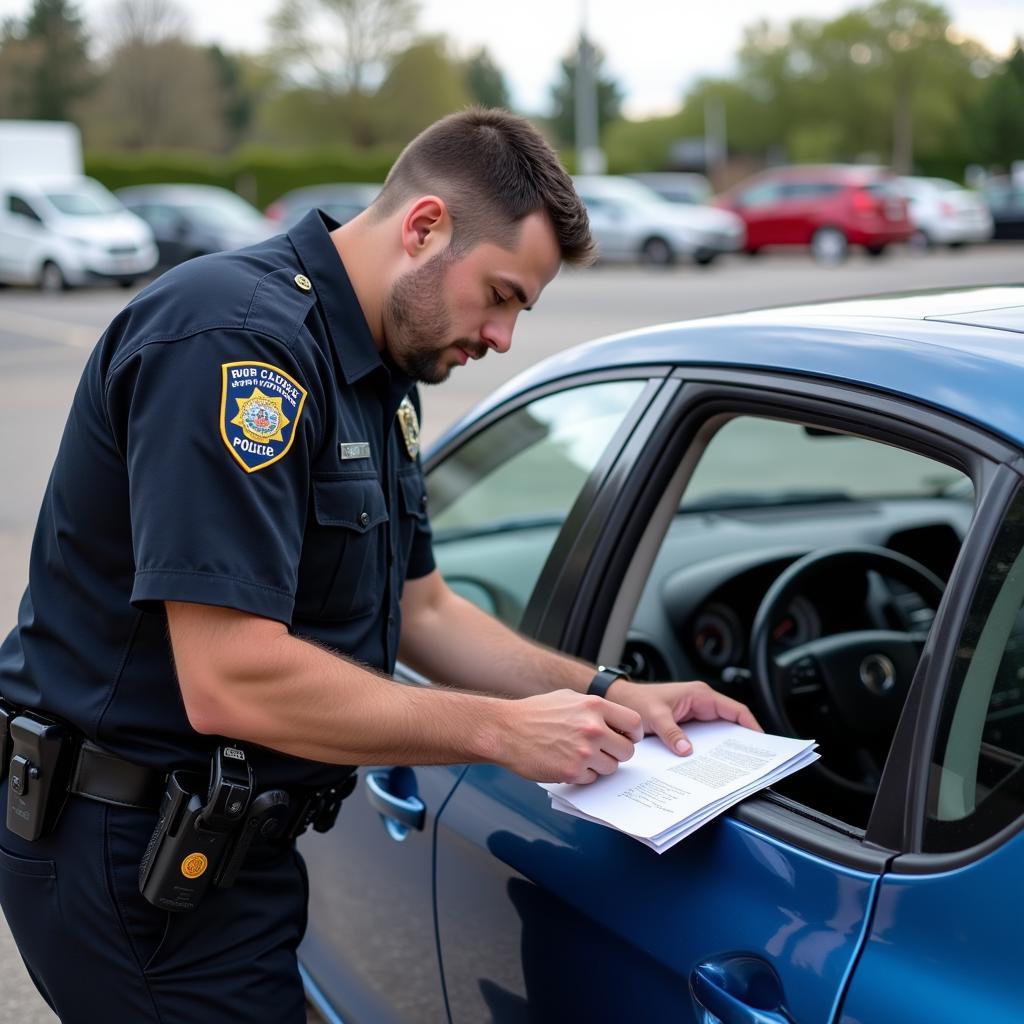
828, 207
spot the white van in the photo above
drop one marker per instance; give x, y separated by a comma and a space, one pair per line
59, 228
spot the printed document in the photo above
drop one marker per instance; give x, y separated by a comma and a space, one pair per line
659, 797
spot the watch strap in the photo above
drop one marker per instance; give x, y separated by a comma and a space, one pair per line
601, 682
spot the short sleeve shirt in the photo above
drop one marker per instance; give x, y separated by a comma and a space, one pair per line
236, 440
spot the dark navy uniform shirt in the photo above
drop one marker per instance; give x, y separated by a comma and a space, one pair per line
234, 442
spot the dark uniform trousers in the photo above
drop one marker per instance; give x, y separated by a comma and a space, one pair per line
103, 955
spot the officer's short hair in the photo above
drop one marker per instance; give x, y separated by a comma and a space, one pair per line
492, 168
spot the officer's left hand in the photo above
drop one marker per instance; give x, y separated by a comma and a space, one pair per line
663, 705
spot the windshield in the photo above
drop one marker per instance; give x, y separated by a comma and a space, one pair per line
755, 462
226, 212
88, 199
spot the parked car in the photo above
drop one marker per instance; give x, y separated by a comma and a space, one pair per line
342, 202
828, 208
1005, 201
59, 228
58, 232
945, 213
631, 221
677, 186
820, 511
193, 220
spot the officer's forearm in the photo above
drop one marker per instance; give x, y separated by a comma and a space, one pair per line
246, 678
451, 641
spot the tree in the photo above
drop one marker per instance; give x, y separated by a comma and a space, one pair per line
44, 62
157, 89
563, 97
485, 82
340, 44
423, 84
999, 115
18, 60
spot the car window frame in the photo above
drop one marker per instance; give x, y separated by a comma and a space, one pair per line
594, 571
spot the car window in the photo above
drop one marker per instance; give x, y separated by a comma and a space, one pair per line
809, 189
498, 502
977, 780
764, 493
760, 195
18, 205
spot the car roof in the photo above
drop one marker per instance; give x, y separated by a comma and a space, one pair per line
181, 191
833, 172
958, 351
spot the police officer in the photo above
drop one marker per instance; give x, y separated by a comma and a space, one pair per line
234, 544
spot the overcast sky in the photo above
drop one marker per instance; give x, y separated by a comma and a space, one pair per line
654, 48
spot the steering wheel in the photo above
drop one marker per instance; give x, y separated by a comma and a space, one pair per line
859, 678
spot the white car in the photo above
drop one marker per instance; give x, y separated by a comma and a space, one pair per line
60, 232
631, 221
944, 213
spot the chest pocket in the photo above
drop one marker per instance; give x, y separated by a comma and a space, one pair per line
413, 504
344, 555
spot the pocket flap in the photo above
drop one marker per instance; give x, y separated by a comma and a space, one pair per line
354, 504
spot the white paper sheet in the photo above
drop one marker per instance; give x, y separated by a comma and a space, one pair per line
659, 797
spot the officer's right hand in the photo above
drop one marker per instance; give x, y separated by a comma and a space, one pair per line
566, 736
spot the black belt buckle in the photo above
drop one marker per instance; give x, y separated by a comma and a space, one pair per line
321, 809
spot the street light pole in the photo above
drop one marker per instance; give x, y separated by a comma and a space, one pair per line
589, 155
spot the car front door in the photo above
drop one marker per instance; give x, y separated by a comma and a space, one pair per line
22, 238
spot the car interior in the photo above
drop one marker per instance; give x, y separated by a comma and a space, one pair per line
792, 567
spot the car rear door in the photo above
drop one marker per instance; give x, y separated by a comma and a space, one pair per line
945, 938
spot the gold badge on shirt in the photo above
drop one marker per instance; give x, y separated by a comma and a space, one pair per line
410, 424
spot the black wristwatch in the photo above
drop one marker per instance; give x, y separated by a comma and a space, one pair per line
605, 677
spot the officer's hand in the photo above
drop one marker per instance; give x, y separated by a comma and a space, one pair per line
662, 706
567, 737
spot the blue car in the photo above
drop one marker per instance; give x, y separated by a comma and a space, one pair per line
818, 510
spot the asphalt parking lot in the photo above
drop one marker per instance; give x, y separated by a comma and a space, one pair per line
45, 340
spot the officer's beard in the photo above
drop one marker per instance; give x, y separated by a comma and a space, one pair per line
415, 318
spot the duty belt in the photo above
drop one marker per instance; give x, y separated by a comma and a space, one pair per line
99, 775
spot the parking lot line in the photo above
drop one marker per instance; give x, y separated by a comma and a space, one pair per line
45, 329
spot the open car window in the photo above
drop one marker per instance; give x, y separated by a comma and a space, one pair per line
763, 495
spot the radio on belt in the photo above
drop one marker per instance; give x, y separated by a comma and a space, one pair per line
38, 774
191, 837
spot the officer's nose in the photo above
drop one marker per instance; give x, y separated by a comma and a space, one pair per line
497, 334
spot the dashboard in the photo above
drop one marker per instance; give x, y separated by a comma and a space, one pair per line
697, 610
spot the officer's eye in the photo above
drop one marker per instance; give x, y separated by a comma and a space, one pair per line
499, 299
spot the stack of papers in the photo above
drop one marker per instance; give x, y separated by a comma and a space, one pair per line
659, 797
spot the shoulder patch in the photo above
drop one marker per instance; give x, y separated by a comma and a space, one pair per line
260, 406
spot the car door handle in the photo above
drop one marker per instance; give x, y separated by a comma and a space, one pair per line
739, 990
401, 813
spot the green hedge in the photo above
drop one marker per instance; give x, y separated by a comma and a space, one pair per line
259, 174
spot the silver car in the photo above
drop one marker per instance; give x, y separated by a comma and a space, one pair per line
631, 221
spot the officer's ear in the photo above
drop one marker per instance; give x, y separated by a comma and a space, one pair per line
426, 225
